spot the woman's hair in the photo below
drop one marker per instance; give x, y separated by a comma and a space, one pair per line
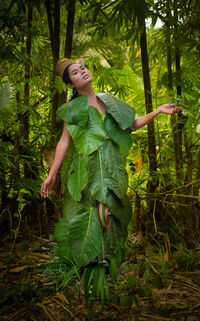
67, 80
75, 94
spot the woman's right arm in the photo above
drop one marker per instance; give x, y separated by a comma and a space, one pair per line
60, 152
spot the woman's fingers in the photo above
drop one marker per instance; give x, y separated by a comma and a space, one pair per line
176, 110
47, 186
170, 108
45, 190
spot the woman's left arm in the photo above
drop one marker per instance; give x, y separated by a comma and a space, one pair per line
164, 109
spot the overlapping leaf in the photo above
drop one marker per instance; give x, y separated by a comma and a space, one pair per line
99, 178
121, 137
89, 138
78, 176
61, 237
85, 236
61, 231
75, 112
114, 163
66, 163
71, 206
123, 113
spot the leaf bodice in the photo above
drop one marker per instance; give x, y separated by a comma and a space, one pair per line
86, 127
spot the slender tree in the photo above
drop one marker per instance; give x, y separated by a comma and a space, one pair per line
53, 15
70, 28
168, 20
149, 108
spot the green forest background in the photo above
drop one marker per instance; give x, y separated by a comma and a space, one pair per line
130, 57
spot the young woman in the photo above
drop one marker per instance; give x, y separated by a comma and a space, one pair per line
100, 127
78, 77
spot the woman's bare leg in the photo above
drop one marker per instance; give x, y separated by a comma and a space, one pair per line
106, 213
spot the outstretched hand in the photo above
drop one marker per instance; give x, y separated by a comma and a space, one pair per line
169, 109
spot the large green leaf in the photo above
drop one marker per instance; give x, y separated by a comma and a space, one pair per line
123, 113
61, 231
75, 112
66, 163
71, 206
114, 163
61, 237
89, 138
85, 236
64, 253
121, 137
78, 176
99, 178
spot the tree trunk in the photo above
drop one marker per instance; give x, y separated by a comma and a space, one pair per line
153, 183
173, 119
56, 49
197, 176
27, 76
16, 170
70, 28
169, 51
54, 31
69, 39
179, 124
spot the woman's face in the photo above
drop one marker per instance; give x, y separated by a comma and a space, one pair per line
79, 75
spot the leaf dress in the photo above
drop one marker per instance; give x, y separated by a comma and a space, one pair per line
93, 172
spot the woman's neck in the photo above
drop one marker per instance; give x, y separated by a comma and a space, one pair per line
93, 100
87, 91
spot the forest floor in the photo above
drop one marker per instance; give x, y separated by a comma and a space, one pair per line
150, 286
